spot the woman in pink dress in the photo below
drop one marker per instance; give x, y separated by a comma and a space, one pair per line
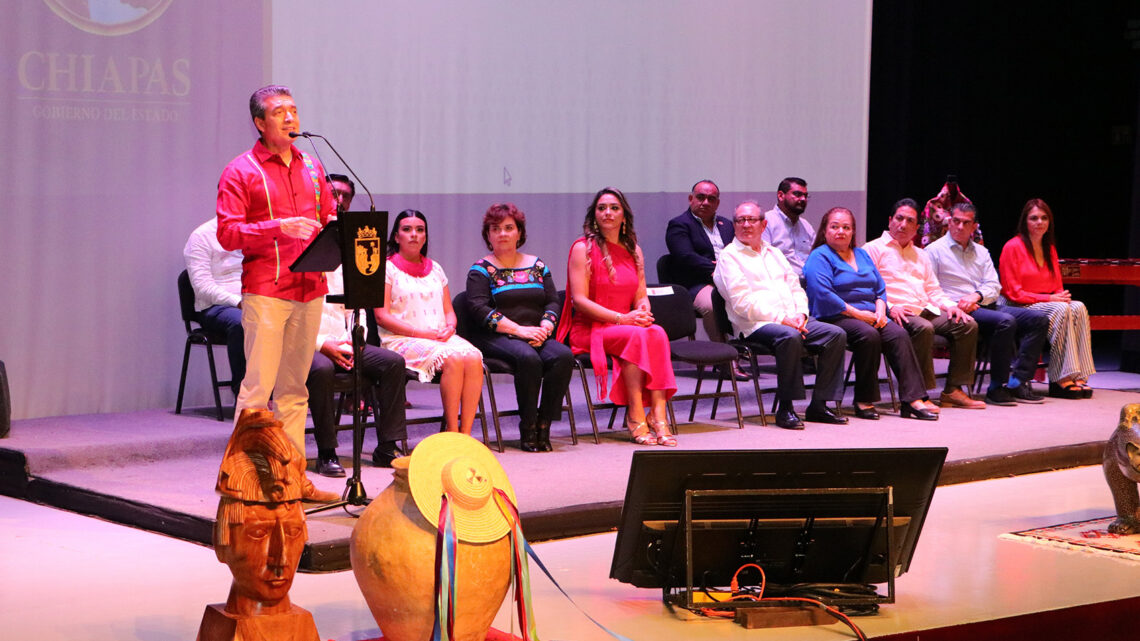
608, 312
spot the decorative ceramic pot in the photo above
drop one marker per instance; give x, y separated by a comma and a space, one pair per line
393, 557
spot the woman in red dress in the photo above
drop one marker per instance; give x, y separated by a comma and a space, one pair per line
608, 312
1031, 277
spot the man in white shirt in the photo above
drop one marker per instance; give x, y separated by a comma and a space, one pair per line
918, 304
383, 371
1016, 335
767, 305
215, 275
787, 229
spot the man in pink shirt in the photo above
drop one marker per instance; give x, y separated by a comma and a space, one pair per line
918, 303
272, 201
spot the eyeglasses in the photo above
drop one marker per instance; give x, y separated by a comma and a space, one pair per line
712, 198
748, 220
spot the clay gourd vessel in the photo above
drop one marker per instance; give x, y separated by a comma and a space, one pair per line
392, 550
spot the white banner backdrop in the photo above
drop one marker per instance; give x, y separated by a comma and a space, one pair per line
448, 107
118, 118
503, 96
122, 114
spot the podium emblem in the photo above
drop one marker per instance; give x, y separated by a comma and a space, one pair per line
368, 257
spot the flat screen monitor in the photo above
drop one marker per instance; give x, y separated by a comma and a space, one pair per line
805, 516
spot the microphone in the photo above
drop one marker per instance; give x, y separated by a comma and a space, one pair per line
310, 135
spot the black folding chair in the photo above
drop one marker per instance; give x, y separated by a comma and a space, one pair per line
198, 335
746, 349
673, 310
582, 365
481, 414
463, 325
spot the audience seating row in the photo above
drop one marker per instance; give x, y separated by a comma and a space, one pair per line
672, 308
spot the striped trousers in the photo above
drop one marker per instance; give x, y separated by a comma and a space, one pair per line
1070, 345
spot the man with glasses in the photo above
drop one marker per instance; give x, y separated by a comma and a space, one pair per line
1016, 334
787, 229
695, 240
766, 304
272, 201
919, 305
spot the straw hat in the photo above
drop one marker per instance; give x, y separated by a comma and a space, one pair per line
469, 473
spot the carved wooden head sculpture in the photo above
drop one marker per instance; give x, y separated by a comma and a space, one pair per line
260, 530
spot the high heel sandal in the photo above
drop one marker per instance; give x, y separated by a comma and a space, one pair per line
1068, 390
639, 433
1086, 391
664, 435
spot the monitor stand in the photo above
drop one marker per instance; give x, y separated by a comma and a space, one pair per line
698, 597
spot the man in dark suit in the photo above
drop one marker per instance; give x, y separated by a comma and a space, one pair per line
695, 239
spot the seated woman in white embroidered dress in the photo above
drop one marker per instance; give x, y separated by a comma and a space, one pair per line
418, 323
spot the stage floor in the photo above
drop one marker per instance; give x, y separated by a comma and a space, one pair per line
156, 470
72, 577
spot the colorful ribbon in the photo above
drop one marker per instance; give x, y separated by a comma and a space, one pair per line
445, 547
315, 177
520, 571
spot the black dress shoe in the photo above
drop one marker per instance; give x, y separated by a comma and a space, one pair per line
543, 437
906, 411
787, 419
528, 439
866, 413
726, 373
823, 414
384, 454
330, 467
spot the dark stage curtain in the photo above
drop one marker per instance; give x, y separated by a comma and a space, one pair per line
1019, 100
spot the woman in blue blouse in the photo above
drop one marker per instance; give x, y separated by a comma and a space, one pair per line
846, 290
512, 297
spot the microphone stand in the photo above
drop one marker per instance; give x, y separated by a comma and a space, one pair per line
354, 492
310, 135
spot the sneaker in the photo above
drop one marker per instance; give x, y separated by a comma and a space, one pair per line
1000, 396
1024, 394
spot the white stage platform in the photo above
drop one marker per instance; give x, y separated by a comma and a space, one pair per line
71, 577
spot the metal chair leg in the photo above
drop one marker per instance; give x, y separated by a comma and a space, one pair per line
697, 392
570, 416
182, 382
214, 381
494, 408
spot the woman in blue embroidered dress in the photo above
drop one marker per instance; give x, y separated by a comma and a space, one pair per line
418, 322
845, 289
513, 299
